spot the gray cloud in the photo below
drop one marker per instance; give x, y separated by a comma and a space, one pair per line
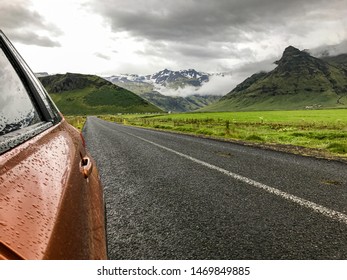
201, 20
332, 50
25, 26
28, 37
212, 50
250, 68
102, 56
192, 30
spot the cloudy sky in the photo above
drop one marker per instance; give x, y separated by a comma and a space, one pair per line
109, 37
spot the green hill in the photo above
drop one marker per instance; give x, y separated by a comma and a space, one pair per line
299, 81
77, 94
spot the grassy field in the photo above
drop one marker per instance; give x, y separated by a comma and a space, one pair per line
325, 131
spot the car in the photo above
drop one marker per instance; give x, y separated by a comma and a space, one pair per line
51, 198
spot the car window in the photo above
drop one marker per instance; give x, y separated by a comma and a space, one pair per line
17, 110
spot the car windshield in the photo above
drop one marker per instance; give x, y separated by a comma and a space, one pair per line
16, 108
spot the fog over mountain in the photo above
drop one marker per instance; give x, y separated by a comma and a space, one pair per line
180, 83
176, 91
329, 50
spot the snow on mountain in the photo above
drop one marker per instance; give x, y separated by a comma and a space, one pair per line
164, 77
176, 83
190, 76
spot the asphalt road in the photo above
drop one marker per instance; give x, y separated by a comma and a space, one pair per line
171, 196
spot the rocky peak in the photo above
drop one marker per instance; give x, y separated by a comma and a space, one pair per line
295, 61
290, 51
189, 76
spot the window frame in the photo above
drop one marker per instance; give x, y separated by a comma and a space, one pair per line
42, 102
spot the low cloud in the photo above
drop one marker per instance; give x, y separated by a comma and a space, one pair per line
221, 84
218, 85
330, 50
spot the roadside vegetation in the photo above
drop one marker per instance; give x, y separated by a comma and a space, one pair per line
317, 132
76, 121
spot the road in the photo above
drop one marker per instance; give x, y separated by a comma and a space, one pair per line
171, 196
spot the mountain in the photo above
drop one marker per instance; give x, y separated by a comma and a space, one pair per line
337, 60
333, 54
77, 94
167, 78
165, 88
176, 79
299, 81
179, 104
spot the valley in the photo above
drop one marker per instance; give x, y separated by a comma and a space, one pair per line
299, 107
172, 91
300, 81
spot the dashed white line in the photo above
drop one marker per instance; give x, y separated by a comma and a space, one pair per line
341, 217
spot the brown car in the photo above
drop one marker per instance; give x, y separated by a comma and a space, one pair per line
51, 199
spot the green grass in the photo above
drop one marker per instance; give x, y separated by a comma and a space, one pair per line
106, 95
337, 148
105, 100
325, 130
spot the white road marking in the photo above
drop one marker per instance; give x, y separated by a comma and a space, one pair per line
300, 201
